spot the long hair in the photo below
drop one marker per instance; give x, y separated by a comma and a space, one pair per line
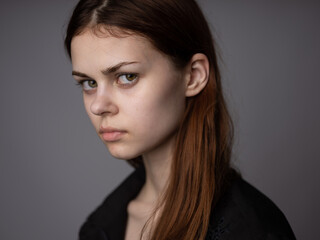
201, 159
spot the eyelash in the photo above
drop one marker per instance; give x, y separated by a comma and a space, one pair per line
118, 76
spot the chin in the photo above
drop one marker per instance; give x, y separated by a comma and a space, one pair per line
122, 154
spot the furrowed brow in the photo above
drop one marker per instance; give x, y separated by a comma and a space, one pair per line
106, 71
116, 67
79, 74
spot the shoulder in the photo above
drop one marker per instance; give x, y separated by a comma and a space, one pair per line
243, 212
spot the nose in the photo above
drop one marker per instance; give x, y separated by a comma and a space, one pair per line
103, 104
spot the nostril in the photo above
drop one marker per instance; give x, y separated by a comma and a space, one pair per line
102, 106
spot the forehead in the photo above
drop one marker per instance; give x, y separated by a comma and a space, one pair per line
124, 47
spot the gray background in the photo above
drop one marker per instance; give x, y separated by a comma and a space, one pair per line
53, 168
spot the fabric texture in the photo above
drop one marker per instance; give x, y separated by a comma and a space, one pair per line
242, 213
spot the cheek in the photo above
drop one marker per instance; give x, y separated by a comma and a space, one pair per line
158, 109
87, 104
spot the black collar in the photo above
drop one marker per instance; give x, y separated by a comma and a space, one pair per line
108, 221
242, 213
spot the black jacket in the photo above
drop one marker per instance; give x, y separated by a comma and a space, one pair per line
242, 213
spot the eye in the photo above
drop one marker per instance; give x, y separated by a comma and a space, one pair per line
127, 79
88, 84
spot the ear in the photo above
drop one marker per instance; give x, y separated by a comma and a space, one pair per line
197, 74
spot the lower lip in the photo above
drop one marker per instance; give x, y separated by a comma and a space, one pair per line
112, 136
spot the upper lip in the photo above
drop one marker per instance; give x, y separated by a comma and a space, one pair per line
109, 130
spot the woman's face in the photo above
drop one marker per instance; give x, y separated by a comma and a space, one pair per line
132, 93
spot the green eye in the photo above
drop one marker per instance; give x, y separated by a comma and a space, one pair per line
89, 84
130, 77
127, 79
92, 84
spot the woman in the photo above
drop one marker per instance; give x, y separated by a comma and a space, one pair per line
151, 87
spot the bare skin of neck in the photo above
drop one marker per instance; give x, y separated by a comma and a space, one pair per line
140, 209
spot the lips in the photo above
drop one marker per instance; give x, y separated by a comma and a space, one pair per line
110, 134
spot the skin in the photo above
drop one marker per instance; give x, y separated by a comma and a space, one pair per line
135, 95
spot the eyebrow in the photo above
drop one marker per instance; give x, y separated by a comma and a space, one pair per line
79, 74
116, 67
106, 71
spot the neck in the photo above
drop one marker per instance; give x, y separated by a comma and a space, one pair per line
158, 165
